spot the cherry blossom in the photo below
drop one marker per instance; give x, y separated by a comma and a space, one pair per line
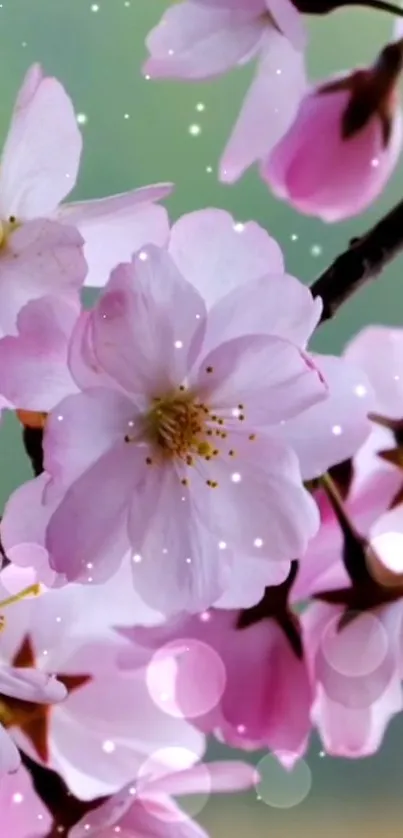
254, 650
39, 168
145, 806
359, 120
107, 725
199, 39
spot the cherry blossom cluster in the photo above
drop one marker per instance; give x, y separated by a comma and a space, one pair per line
211, 544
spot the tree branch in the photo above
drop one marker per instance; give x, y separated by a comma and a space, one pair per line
362, 262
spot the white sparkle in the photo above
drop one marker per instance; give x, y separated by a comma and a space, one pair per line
60, 418
236, 477
337, 430
82, 118
132, 790
258, 542
90, 565
209, 169
188, 561
90, 579
322, 753
222, 545
95, 7
108, 746
294, 237
239, 227
164, 550
194, 130
24, 44
236, 412
396, 377
18, 797
278, 72
170, 52
143, 256
126, 116
205, 617
137, 558
58, 619
375, 162
117, 829
200, 107
316, 250
360, 390
178, 344
241, 728
147, 78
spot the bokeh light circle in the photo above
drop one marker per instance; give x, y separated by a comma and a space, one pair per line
283, 788
186, 678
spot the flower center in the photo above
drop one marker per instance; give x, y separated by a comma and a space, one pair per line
177, 426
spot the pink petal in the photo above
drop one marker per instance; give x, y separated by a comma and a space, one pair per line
145, 324
378, 351
115, 228
33, 366
31, 685
229, 776
21, 810
23, 527
43, 257
290, 22
340, 180
259, 507
217, 255
274, 304
42, 153
195, 42
269, 376
10, 759
331, 430
249, 578
169, 541
116, 707
93, 548
83, 428
82, 361
269, 107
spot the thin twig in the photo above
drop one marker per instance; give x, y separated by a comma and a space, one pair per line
362, 262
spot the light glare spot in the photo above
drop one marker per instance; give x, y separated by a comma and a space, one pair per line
337, 430
236, 477
108, 746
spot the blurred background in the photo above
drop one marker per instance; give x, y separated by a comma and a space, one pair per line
138, 132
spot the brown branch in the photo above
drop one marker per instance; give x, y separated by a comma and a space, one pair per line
362, 262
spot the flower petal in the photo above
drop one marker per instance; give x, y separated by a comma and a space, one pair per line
145, 324
82, 429
87, 542
217, 255
33, 366
169, 542
271, 378
31, 685
269, 108
274, 304
115, 228
195, 42
221, 776
332, 430
259, 507
20, 806
378, 351
10, 759
42, 153
42, 257
290, 21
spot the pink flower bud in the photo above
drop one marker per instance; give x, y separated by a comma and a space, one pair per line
344, 143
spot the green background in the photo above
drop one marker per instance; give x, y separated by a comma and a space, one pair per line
137, 132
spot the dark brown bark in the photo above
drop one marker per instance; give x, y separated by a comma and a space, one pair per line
362, 262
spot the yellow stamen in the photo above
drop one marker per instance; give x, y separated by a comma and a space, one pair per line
32, 590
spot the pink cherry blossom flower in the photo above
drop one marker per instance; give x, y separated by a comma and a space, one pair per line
239, 271
22, 813
145, 806
108, 725
39, 167
199, 39
359, 122
265, 698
